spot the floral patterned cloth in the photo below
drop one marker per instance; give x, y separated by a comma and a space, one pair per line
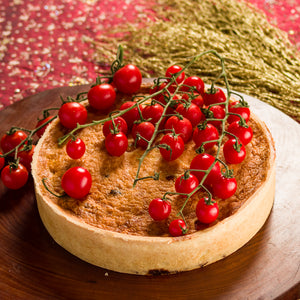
42, 42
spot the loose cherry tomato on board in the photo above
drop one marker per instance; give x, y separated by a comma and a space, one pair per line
186, 183
240, 109
131, 115
120, 124
2, 161
41, 131
234, 152
203, 162
10, 141
224, 187
244, 133
175, 144
204, 133
75, 148
175, 69
153, 113
183, 127
213, 96
76, 182
177, 227
159, 209
192, 112
116, 144
142, 133
14, 177
102, 96
72, 113
195, 82
26, 157
128, 79
218, 112
207, 212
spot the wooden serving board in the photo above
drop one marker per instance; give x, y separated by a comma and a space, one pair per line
33, 266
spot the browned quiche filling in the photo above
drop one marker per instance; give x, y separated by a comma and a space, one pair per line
113, 204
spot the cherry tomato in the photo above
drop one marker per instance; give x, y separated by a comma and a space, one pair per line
214, 96
128, 79
173, 70
244, 134
183, 127
153, 113
159, 209
26, 157
102, 96
198, 101
116, 144
203, 162
177, 227
41, 131
195, 82
2, 161
75, 148
192, 112
233, 154
207, 212
72, 113
145, 130
10, 141
186, 183
131, 115
218, 113
120, 123
14, 177
224, 187
176, 145
203, 134
238, 108
76, 182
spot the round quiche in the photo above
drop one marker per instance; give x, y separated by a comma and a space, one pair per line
111, 226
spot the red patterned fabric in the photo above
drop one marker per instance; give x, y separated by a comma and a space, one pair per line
41, 43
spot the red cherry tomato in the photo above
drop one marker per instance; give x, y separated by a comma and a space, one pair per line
26, 158
186, 183
72, 113
238, 108
224, 187
102, 96
207, 213
14, 177
233, 154
203, 162
159, 209
128, 79
214, 96
218, 113
76, 182
173, 70
244, 134
205, 134
75, 148
10, 141
177, 227
192, 112
2, 161
182, 127
145, 131
176, 145
120, 123
131, 115
198, 101
153, 113
116, 144
41, 131
195, 82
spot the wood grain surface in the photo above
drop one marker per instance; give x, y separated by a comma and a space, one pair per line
33, 266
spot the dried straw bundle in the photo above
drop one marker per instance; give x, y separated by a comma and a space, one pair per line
260, 60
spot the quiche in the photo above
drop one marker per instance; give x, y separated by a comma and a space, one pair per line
111, 226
